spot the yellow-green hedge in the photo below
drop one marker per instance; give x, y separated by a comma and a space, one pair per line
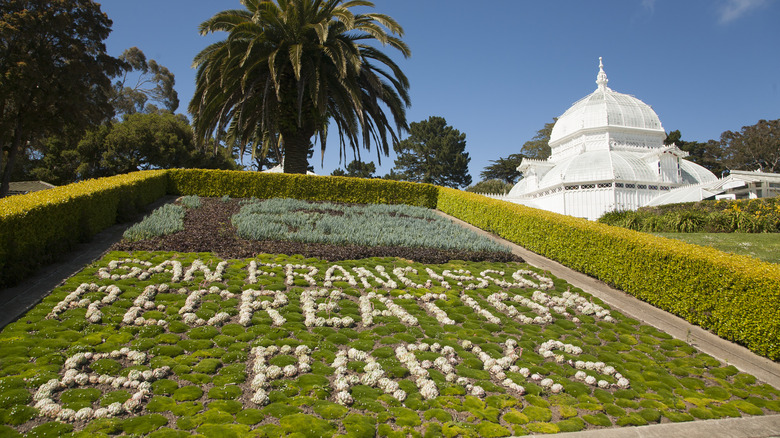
238, 184
737, 297
37, 226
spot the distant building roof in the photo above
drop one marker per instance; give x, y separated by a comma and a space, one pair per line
23, 187
280, 169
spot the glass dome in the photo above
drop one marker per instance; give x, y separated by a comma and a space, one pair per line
605, 108
599, 166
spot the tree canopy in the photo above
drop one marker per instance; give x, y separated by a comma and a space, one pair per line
491, 186
708, 155
539, 147
144, 141
754, 147
142, 81
357, 169
54, 71
140, 141
288, 67
433, 153
504, 169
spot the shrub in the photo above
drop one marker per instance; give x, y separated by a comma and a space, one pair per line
191, 201
237, 184
727, 216
492, 186
687, 221
167, 219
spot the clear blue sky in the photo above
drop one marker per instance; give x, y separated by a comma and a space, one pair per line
498, 70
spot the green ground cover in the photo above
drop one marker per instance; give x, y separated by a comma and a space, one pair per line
764, 246
172, 344
368, 225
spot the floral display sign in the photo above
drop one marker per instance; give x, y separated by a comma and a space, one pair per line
169, 344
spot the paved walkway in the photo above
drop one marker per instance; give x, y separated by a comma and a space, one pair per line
15, 301
728, 352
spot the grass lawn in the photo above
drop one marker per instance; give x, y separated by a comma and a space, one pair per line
764, 246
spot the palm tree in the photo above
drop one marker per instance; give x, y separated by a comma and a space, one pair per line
288, 67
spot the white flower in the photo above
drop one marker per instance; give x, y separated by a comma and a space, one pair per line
289, 270
260, 397
477, 391
290, 370
385, 282
467, 300
83, 414
50, 410
461, 275
428, 389
67, 415
218, 319
345, 276
343, 398
401, 274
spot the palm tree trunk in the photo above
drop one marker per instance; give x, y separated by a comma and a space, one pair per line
296, 149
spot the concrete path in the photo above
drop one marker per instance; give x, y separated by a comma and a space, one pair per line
728, 352
744, 427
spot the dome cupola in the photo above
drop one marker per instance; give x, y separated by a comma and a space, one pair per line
606, 110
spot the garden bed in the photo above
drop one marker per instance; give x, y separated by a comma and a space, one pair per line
202, 332
209, 228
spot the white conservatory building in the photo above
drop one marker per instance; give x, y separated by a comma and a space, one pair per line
607, 154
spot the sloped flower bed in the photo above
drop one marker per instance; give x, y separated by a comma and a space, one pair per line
204, 332
169, 344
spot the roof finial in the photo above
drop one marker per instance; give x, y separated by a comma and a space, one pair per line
601, 79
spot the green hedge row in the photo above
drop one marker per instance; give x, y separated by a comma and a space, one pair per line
238, 184
36, 227
737, 297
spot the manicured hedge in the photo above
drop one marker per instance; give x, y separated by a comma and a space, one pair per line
237, 184
36, 227
737, 297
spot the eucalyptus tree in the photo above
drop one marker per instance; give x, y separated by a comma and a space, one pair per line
290, 67
754, 147
140, 82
